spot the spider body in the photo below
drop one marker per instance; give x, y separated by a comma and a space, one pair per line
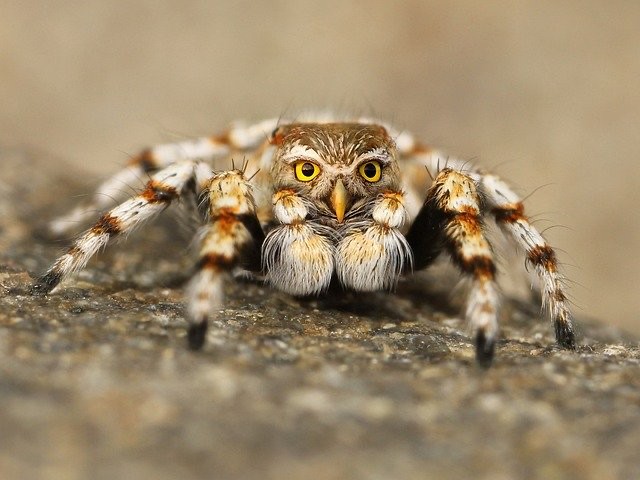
355, 201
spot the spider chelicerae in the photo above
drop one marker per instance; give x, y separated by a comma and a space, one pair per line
357, 201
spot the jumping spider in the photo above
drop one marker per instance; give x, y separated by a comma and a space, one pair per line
330, 200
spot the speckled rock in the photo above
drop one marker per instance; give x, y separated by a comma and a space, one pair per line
96, 380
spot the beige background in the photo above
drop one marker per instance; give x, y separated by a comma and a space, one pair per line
547, 92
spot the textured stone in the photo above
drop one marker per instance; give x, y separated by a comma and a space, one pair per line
96, 380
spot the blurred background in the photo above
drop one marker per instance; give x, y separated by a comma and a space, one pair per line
546, 93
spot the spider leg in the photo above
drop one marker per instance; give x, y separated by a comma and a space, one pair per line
451, 219
231, 239
420, 164
163, 187
508, 211
239, 138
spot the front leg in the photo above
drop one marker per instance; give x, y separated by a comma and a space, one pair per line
451, 219
231, 239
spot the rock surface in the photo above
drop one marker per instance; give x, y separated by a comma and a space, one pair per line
96, 381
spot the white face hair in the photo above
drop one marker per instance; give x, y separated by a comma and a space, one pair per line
356, 202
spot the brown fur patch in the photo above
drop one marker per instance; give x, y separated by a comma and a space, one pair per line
559, 296
337, 143
146, 160
106, 224
277, 138
509, 214
469, 223
282, 193
156, 192
225, 221
216, 262
74, 250
222, 138
544, 256
481, 267
420, 149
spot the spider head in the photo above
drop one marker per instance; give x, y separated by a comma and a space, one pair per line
337, 166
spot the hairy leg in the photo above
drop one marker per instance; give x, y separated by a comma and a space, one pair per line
231, 239
239, 138
163, 187
508, 210
451, 219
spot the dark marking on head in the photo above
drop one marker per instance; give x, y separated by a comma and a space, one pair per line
336, 142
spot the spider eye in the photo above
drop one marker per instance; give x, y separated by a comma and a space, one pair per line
306, 171
371, 171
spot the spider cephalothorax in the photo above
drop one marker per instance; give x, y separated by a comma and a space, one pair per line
331, 200
339, 204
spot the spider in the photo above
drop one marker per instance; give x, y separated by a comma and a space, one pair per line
355, 201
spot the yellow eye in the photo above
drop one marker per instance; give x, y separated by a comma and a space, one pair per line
371, 171
306, 171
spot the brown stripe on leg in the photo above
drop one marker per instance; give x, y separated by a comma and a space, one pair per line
508, 210
450, 219
105, 228
106, 225
469, 248
164, 187
233, 238
145, 160
482, 303
156, 192
508, 213
542, 257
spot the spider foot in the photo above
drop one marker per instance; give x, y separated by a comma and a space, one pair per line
565, 336
485, 348
196, 335
45, 283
